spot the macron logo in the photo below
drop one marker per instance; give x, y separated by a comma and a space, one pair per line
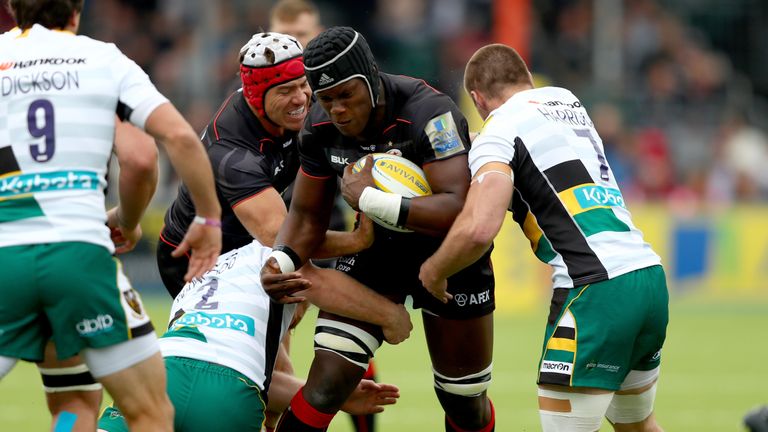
325, 80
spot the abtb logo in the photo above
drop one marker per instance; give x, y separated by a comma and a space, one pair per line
89, 327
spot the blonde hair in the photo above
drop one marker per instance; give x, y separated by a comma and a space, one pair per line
494, 67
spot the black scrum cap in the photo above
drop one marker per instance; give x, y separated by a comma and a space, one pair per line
338, 55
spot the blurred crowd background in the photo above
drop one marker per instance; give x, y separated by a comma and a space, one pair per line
678, 89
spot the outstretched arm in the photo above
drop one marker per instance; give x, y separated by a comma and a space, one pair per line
338, 293
191, 162
340, 243
474, 230
368, 398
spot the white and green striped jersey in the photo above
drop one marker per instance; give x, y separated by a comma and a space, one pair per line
226, 318
565, 198
59, 94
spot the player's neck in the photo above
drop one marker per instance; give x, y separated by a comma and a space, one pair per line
271, 128
505, 94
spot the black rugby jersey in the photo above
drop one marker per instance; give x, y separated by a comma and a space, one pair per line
245, 159
420, 124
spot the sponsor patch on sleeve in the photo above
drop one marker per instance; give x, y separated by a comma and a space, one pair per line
444, 136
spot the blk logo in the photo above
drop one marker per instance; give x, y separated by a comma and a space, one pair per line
339, 160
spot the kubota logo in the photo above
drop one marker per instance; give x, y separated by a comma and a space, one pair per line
6, 65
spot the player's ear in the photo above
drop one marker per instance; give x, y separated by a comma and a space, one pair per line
477, 98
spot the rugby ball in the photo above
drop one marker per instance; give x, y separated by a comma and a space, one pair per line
398, 175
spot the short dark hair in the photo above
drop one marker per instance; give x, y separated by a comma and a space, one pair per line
51, 14
493, 67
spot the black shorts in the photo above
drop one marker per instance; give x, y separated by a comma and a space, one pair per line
172, 270
393, 271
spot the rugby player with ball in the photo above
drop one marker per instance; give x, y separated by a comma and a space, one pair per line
360, 111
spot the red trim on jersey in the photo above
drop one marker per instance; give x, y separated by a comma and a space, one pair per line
164, 240
395, 124
301, 170
322, 123
261, 143
307, 414
425, 83
487, 428
388, 128
250, 197
215, 119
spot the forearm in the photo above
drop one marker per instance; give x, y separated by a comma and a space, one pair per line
340, 243
137, 157
187, 155
302, 234
281, 390
338, 293
434, 214
135, 190
191, 163
461, 248
475, 227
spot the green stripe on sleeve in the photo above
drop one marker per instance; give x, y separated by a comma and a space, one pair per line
544, 250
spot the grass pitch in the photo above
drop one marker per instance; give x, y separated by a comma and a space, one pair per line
712, 371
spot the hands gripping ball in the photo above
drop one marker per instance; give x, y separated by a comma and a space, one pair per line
397, 175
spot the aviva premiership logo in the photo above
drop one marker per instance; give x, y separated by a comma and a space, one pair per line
444, 135
409, 176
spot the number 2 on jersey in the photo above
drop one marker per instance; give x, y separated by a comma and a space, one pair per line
41, 152
203, 304
587, 133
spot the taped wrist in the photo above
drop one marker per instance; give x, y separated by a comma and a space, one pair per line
389, 207
286, 258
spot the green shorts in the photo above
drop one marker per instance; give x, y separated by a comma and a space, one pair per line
74, 293
206, 397
596, 334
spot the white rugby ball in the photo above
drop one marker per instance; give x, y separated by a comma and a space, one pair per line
398, 175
